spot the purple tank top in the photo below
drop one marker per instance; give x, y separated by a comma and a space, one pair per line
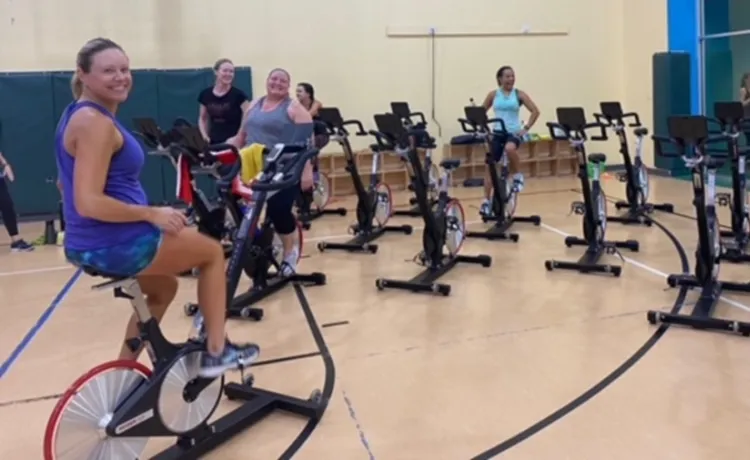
123, 184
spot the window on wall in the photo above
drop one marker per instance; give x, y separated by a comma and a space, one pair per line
722, 16
726, 60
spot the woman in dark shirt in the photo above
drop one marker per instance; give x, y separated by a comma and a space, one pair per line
221, 106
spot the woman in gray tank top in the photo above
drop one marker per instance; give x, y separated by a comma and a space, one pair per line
269, 120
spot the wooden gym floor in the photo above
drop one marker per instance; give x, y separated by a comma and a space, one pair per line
542, 365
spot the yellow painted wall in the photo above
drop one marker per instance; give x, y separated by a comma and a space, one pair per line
343, 48
644, 33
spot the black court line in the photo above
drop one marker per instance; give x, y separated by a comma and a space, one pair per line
606, 381
286, 359
29, 400
338, 323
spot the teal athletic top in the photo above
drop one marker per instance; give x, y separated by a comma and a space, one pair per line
508, 109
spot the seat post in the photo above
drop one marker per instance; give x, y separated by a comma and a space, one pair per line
130, 289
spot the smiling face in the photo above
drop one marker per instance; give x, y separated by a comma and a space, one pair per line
225, 73
302, 94
507, 79
108, 78
277, 83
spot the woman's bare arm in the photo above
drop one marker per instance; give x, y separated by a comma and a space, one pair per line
301, 116
488, 100
238, 140
526, 100
94, 140
315, 107
203, 121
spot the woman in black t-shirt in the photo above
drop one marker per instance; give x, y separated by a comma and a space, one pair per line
221, 106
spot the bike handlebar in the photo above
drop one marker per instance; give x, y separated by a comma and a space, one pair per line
581, 131
280, 172
360, 128
474, 127
610, 121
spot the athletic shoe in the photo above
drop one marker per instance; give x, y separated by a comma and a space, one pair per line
233, 357
21, 246
518, 182
289, 265
486, 208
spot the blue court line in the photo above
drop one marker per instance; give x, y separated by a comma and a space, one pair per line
362, 437
39, 323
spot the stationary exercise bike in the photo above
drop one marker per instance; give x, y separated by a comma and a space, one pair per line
264, 251
423, 141
504, 194
374, 204
444, 222
690, 133
313, 204
112, 410
635, 176
572, 127
731, 119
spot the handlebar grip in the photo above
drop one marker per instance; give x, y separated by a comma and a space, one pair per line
557, 126
360, 129
659, 142
382, 140
500, 121
467, 126
634, 115
602, 120
290, 175
420, 115
602, 131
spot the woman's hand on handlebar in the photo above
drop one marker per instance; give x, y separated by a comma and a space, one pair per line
168, 219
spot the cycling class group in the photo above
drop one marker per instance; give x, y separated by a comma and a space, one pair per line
262, 158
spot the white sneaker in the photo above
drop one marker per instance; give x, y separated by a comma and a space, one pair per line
518, 182
289, 265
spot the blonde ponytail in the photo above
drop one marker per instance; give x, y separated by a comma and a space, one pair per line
76, 86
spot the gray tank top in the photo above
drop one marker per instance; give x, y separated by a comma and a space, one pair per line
269, 128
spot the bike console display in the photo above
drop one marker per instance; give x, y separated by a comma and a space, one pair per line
690, 129
729, 113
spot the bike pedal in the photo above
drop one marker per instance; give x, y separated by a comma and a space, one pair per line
723, 199
577, 207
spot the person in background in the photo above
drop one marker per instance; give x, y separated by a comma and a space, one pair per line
265, 122
506, 101
306, 97
221, 106
8, 210
745, 99
110, 227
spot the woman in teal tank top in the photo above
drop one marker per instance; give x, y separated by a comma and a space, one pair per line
506, 101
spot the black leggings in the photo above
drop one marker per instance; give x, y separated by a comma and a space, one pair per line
279, 210
7, 210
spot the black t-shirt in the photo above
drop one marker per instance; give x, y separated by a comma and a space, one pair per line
224, 112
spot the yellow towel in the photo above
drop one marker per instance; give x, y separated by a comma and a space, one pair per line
252, 162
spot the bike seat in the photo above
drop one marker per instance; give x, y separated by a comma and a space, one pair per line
597, 158
450, 164
640, 131
94, 272
378, 148
428, 143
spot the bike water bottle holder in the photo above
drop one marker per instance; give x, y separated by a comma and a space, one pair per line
578, 207
723, 199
